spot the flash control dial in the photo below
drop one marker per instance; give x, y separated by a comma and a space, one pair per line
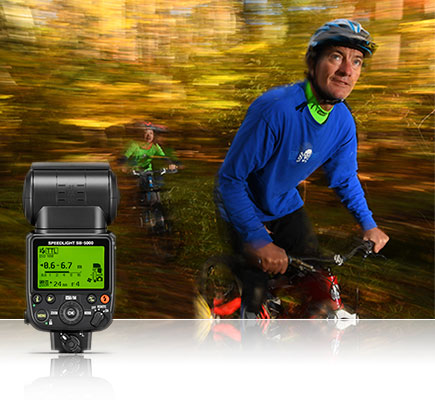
71, 312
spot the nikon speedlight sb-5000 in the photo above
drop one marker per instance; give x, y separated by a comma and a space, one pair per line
70, 254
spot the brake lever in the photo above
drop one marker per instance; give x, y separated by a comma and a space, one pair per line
368, 246
368, 250
377, 255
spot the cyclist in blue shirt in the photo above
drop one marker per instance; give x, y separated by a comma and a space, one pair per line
287, 134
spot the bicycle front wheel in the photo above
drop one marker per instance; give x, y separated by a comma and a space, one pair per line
219, 290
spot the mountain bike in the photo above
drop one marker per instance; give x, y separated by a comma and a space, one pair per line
152, 214
305, 290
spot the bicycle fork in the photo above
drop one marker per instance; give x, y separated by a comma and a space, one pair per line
334, 291
322, 289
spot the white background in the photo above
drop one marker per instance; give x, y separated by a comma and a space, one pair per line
196, 359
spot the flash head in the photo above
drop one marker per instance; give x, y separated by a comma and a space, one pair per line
70, 196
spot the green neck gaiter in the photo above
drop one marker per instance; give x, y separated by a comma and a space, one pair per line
318, 113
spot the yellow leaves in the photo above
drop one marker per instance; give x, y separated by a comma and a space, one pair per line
166, 82
247, 48
124, 88
217, 104
152, 19
88, 123
120, 89
18, 14
216, 80
205, 51
423, 27
94, 157
364, 86
421, 90
166, 95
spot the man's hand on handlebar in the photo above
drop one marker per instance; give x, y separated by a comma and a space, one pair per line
378, 237
269, 258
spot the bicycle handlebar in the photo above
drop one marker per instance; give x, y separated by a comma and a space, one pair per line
301, 263
162, 171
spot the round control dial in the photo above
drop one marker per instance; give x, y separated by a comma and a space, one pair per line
71, 312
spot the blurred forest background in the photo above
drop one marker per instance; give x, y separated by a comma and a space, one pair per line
73, 73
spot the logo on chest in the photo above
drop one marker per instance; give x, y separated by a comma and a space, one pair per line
304, 156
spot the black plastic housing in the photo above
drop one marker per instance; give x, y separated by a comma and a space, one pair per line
70, 202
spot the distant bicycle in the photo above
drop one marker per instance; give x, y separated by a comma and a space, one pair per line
152, 215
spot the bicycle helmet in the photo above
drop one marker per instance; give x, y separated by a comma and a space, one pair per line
143, 125
343, 32
340, 32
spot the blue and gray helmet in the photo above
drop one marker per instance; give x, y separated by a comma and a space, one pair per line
343, 32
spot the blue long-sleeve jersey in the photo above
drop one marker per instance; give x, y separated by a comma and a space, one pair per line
278, 145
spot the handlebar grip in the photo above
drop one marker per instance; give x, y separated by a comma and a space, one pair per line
369, 245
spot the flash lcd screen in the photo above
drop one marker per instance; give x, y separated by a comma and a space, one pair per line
70, 267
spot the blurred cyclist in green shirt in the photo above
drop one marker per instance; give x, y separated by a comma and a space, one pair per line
141, 154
